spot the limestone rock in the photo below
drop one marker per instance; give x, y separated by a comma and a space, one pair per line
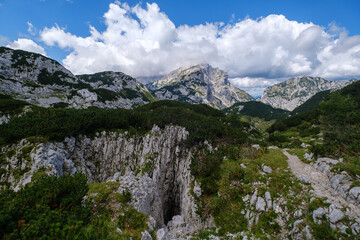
268, 200
266, 169
161, 234
260, 204
295, 91
336, 215
253, 198
146, 236
199, 84
43, 81
318, 213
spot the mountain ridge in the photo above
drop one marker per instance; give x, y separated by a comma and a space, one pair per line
293, 92
199, 84
45, 82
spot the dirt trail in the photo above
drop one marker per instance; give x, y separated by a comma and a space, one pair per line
321, 184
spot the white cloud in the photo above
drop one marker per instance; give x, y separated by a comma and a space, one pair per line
254, 86
27, 45
31, 29
145, 42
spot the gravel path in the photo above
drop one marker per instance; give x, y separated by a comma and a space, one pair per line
321, 184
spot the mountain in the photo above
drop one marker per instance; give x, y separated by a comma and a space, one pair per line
295, 91
337, 118
257, 109
311, 103
199, 84
43, 81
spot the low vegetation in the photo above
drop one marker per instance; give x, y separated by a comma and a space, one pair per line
67, 207
202, 122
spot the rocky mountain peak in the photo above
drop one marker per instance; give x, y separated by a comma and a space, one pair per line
199, 84
44, 82
295, 91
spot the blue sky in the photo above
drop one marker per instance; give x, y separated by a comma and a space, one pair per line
317, 32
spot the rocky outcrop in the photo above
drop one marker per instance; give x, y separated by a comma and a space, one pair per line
44, 82
199, 84
153, 167
332, 187
342, 182
295, 91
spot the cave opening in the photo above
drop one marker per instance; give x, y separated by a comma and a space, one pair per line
172, 204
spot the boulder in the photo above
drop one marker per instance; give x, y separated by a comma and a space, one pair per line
146, 236
268, 200
318, 213
260, 205
266, 169
336, 215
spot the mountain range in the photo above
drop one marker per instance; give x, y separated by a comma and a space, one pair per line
76, 164
42, 81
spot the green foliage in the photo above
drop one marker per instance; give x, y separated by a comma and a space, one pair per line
131, 219
31, 84
350, 164
257, 109
49, 209
60, 105
57, 77
202, 122
227, 175
337, 117
311, 103
323, 231
8, 105
103, 228
105, 94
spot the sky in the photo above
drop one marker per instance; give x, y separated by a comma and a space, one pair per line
258, 43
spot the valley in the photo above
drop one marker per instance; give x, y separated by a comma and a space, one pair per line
190, 156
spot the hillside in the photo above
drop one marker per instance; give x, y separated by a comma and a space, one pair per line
172, 170
199, 84
336, 117
311, 103
295, 91
257, 109
42, 81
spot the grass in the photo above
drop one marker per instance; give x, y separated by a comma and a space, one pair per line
225, 202
299, 152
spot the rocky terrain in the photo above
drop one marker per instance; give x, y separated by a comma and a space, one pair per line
295, 91
153, 167
169, 170
199, 84
44, 82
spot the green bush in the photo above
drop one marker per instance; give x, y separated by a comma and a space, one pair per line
202, 122
50, 208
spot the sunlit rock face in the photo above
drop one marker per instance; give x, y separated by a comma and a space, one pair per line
295, 91
199, 84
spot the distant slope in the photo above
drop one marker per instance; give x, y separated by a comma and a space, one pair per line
295, 91
199, 84
43, 81
257, 109
337, 117
312, 103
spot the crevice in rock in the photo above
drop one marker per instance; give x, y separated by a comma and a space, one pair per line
172, 204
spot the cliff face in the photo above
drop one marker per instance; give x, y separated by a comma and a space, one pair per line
153, 167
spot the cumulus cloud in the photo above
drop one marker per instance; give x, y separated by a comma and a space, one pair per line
27, 45
143, 41
254, 86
